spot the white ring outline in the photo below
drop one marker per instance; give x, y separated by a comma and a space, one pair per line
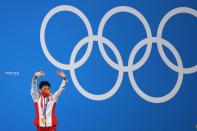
49, 15
159, 35
143, 20
116, 86
177, 86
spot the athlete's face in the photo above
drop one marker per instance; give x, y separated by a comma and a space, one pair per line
45, 91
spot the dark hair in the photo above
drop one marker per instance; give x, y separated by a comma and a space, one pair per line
44, 83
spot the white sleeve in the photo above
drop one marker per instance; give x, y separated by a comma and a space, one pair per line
59, 91
34, 90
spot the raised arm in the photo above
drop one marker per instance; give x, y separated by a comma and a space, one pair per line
62, 86
34, 88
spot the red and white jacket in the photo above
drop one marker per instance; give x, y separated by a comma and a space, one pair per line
40, 101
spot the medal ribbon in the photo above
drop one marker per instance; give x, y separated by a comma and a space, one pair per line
45, 106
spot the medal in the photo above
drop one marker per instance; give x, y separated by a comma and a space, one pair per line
43, 120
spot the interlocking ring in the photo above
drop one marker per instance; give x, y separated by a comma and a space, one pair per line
146, 26
119, 65
74, 78
180, 71
42, 36
170, 14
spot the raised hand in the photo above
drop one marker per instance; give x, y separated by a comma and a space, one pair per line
61, 74
39, 74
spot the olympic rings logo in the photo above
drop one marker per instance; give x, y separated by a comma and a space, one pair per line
131, 67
